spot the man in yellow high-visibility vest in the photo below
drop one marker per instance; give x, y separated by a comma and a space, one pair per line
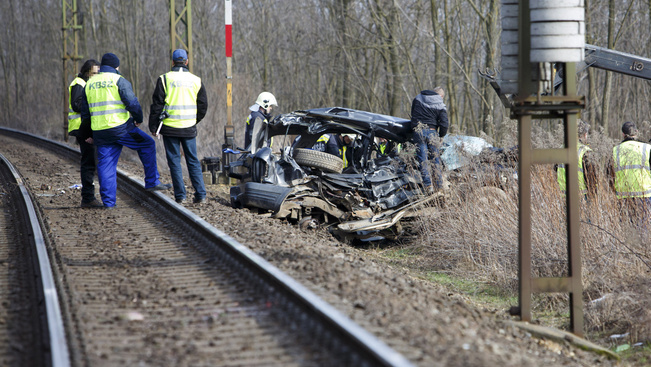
586, 169
179, 103
87, 150
111, 110
631, 172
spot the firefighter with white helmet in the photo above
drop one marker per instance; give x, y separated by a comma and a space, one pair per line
260, 115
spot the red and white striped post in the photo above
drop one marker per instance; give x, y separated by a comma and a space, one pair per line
229, 137
229, 54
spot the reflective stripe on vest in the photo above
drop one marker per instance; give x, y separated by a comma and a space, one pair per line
181, 89
106, 107
560, 173
342, 151
74, 118
323, 138
632, 170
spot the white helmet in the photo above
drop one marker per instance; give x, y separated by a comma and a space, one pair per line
266, 99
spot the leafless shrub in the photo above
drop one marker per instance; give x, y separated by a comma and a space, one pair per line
475, 234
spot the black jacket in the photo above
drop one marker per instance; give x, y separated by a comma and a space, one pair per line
76, 96
428, 108
250, 124
158, 104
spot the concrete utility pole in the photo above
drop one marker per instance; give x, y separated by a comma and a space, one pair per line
181, 28
536, 35
70, 57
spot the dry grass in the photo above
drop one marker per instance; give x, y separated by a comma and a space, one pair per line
475, 235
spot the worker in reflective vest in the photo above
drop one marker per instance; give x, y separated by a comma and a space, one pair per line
385, 147
87, 150
631, 168
339, 145
586, 170
335, 144
321, 143
112, 112
179, 103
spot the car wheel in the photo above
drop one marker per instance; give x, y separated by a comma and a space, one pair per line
258, 170
316, 159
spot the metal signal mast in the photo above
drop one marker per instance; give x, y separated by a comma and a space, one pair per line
70, 56
181, 28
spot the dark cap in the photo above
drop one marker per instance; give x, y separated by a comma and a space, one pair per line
111, 60
179, 55
629, 129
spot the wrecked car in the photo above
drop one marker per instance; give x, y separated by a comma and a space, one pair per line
365, 198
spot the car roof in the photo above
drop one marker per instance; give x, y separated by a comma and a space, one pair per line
319, 121
347, 114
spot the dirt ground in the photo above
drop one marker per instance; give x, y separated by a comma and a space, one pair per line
425, 322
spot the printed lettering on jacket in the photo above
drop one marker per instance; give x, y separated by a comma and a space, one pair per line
102, 84
181, 84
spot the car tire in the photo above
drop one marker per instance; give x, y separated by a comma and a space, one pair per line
316, 159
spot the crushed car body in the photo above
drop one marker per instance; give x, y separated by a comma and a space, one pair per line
368, 195
365, 198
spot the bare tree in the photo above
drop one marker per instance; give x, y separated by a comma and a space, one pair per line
372, 55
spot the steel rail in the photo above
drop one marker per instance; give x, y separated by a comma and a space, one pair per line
57, 337
299, 307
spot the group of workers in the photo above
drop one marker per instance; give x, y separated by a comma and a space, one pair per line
105, 115
628, 171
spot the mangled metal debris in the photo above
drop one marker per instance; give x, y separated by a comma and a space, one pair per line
365, 195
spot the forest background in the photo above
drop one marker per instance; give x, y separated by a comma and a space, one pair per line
373, 55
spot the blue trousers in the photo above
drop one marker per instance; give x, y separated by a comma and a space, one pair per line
425, 151
173, 152
107, 163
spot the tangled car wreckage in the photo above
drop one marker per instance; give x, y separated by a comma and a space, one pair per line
366, 200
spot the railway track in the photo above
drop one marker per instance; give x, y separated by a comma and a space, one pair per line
150, 283
31, 327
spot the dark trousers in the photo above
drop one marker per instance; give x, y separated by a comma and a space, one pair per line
87, 170
173, 153
426, 151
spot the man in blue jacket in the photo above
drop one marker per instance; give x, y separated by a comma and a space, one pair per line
429, 120
110, 116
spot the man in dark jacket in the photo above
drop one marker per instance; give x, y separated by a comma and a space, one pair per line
110, 116
255, 123
181, 96
429, 120
87, 150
